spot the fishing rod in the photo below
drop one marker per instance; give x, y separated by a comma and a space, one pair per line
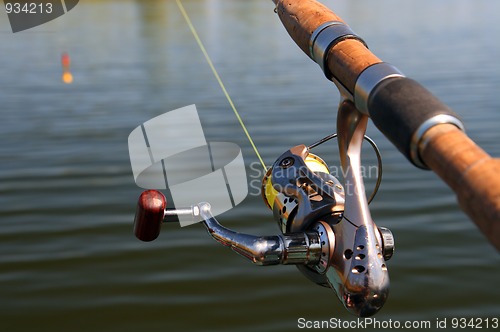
425, 130
326, 227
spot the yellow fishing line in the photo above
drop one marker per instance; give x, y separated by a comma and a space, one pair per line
216, 74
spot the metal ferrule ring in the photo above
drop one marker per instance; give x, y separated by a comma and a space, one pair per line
417, 137
324, 38
369, 79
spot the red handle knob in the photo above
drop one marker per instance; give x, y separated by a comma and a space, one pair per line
149, 215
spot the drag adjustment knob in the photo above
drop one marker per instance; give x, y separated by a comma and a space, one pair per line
387, 242
149, 215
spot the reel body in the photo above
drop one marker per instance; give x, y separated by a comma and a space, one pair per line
305, 197
326, 227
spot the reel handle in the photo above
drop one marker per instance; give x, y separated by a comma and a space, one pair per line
149, 215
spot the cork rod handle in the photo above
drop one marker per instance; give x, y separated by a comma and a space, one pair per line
470, 172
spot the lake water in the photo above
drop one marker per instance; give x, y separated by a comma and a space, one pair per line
68, 258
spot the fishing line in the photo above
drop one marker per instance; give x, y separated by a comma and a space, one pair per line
216, 74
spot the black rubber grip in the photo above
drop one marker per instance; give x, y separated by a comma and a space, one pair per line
399, 106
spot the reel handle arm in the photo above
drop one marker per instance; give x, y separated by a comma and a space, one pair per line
297, 248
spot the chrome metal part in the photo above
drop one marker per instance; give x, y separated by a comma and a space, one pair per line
360, 276
327, 240
388, 246
170, 215
324, 38
299, 248
317, 273
302, 248
416, 140
369, 79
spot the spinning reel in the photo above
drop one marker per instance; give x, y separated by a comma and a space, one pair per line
327, 230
